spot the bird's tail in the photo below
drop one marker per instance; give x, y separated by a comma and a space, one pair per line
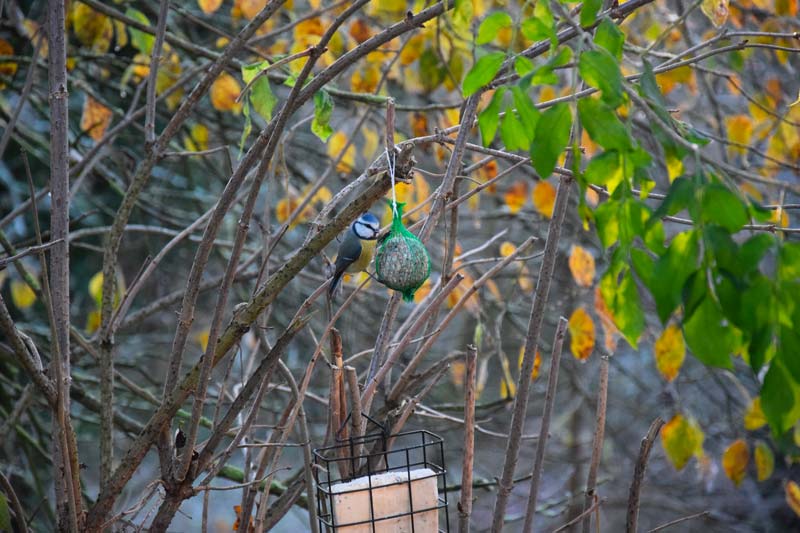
337, 277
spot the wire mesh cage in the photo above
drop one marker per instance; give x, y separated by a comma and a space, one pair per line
382, 483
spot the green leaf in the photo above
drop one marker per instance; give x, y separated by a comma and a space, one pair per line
604, 169
489, 118
323, 108
789, 352
671, 272
600, 70
140, 40
248, 126
482, 72
679, 197
523, 66
789, 262
603, 125
721, 206
528, 114
779, 398
552, 136
709, 337
541, 26
622, 299
589, 11
5, 515
261, 95
606, 217
513, 132
487, 32
643, 265
431, 70
609, 36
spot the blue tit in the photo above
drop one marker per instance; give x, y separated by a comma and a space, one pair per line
357, 248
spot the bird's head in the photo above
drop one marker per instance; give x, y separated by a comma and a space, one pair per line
366, 227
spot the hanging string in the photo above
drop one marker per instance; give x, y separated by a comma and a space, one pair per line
391, 162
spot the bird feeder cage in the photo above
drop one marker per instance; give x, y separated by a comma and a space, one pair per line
382, 483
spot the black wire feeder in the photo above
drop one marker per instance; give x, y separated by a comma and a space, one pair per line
369, 456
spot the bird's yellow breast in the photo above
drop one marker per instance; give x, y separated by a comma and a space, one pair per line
361, 264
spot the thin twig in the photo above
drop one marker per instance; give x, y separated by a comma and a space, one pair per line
547, 411
597, 443
678, 521
638, 474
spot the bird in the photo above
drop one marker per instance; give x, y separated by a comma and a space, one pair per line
356, 249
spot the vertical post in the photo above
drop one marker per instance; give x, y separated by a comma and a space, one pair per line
465, 504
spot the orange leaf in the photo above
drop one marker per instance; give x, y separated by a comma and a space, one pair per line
366, 80
682, 439
419, 124
581, 264
458, 370
754, 417
224, 92
581, 331
537, 362
734, 461
7, 68
765, 461
793, 496
672, 78
95, 118
544, 198
359, 30
209, 6
515, 196
670, 352
610, 330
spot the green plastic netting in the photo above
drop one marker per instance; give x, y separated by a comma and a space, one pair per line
402, 263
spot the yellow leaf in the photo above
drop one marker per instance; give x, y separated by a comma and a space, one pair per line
681, 439
336, 144
537, 362
793, 496
674, 167
7, 68
716, 11
22, 295
508, 387
370, 146
96, 289
672, 78
209, 6
95, 118
670, 352
91, 27
581, 331
31, 29
765, 461
423, 291
250, 8
458, 370
544, 198
197, 140
525, 280
169, 72
581, 265
515, 196
796, 101
507, 248
202, 338
412, 50
224, 92
740, 130
92, 321
366, 79
754, 417
734, 461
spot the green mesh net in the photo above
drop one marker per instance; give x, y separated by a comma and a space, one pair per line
402, 263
